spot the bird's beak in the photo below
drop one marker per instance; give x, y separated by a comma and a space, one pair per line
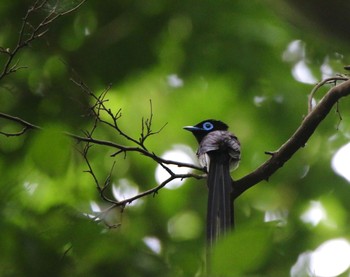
191, 128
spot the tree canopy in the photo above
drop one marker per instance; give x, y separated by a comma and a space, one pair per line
133, 73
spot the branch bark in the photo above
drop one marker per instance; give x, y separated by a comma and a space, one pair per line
25, 124
28, 34
140, 150
296, 141
263, 172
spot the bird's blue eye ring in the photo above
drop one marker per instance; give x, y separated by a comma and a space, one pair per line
207, 126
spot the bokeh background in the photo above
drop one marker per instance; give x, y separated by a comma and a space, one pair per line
251, 64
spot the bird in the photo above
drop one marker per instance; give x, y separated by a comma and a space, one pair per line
218, 153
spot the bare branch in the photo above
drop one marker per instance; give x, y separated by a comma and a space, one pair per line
36, 32
146, 127
16, 134
30, 32
26, 125
99, 110
155, 190
339, 114
332, 80
123, 148
100, 106
101, 189
297, 140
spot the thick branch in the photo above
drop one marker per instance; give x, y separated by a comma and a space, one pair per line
296, 141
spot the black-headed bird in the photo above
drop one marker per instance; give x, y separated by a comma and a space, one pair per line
219, 152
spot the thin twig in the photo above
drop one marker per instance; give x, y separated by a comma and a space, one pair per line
321, 84
155, 190
101, 107
337, 110
36, 32
25, 124
123, 148
297, 140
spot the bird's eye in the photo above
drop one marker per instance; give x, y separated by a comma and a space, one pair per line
208, 126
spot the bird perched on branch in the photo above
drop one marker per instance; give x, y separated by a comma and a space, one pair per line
219, 152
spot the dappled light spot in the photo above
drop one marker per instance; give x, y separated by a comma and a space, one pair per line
304, 171
341, 162
326, 69
301, 267
259, 100
313, 103
96, 210
30, 187
314, 214
180, 153
331, 258
111, 217
278, 99
279, 216
174, 81
153, 244
87, 31
185, 225
295, 51
302, 73
296, 54
95, 207
124, 190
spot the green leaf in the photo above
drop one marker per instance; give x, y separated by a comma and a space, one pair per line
243, 251
50, 151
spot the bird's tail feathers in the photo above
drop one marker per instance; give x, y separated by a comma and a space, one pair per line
220, 204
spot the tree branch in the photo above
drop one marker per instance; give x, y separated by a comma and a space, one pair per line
296, 141
332, 80
124, 148
26, 125
155, 190
37, 31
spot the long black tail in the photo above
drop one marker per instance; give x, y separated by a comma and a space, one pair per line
220, 202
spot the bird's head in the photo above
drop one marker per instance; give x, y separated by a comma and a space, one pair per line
203, 128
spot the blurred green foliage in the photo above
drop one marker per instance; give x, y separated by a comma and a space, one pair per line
194, 60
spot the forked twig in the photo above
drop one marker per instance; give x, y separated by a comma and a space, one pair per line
28, 33
332, 80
